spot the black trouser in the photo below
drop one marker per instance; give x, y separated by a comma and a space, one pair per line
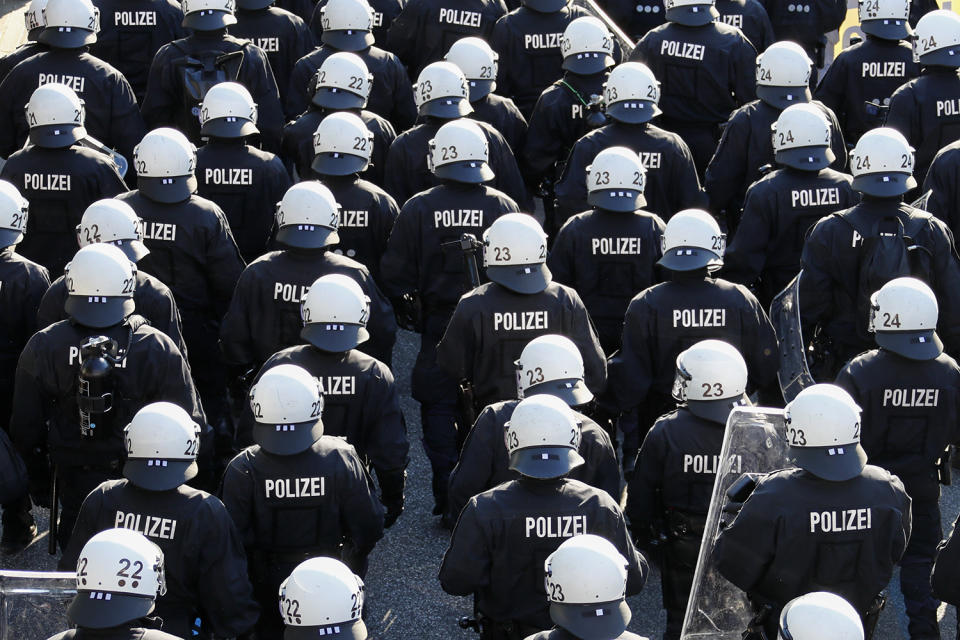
506, 630
679, 564
915, 568
73, 486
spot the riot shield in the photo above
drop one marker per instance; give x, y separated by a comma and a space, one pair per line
754, 442
626, 44
794, 373
33, 604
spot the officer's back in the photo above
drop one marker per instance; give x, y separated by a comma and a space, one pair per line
750, 17
806, 22
384, 13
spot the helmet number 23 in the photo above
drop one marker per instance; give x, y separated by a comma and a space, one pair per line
501, 254
714, 390
796, 437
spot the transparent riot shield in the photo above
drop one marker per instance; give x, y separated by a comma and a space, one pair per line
754, 442
794, 373
626, 44
33, 604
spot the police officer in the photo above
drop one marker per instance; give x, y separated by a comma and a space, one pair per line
503, 535
750, 17
586, 582
820, 615
162, 443
297, 493
348, 25
264, 314
806, 23
34, 21
184, 70
442, 94
384, 13
668, 317
570, 106
942, 579
927, 109
548, 365
341, 84
112, 115
919, 8
783, 205
492, 323
192, 251
859, 82
424, 263
705, 67
58, 174
529, 39
425, 29
343, 147
908, 389
85, 377
22, 284
242, 180
834, 522
131, 33
361, 400
783, 78
669, 495
479, 64
114, 222
630, 99
282, 35
609, 254
845, 258
940, 186
635, 17
320, 594
107, 604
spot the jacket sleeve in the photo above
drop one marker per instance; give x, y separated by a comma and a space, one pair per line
944, 578
50, 309
126, 123
466, 564
562, 257
761, 351
644, 506
508, 177
604, 472
816, 282
160, 101
398, 266
727, 172
833, 18
167, 319
903, 114
474, 471
223, 262
571, 188
297, 100
236, 492
942, 184
947, 278
455, 351
747, 254
28, 426
109, 183
745, 79
832, 89
403, 34
544, 142
385, 431
837, 143
397, 171
685, 189
236, 332
615, 530
745, 548
404, 112
383, 227
263, 86
174, 383
382, 324
580, 329
631, 368
361, 514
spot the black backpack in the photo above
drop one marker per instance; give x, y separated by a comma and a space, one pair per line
198, 71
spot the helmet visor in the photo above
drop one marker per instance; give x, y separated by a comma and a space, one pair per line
229, 128
592, 620
624, 200
446, 108
208, 20
545, 462
104, 312
287, 439
335, 338
588, 63
304, 236
57, 136
66, 37
696, 15
836, 463
633, 111
167, 190
783, 97
915, 345
338, 164
347, 39
522, 278
806, 158
337, 99
159, 475
93, 612
469, 172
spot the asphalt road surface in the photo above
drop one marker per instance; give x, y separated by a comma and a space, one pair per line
403, 595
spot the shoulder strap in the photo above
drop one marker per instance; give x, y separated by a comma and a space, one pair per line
576, 94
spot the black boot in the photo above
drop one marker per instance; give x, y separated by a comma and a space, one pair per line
19, 528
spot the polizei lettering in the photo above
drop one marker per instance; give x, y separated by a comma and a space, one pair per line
243, 177
883, 69
351, 218
542, 40
708, 464
338, 385
461, 17
615, 246
814, 197
289, 292
74, 82
295, 488
159, 231
135, 18
270, 44
150, 526
734, 20
687, 50
650, 159
948, 107
692, 318
458, 218
556, 526
519, 320
46, 182
911, 397
840, 521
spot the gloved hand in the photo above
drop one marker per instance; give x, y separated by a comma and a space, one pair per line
409, 312
392, 484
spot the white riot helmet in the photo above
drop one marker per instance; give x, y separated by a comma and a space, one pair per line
632, 93
882, 163
543, 438
886, 19
587, 46
441, 91
823, 433
347, 25
335, 312
100, 283
903, 317
34, 20
163, 442
586, 581
783, 75
343, 81
691, 241
322, 595
69, 24
208, 15
515, 253
228, 111
165, 162
342, 145
460, 152
937, 39
119, 575
479, 63
287, 403
113, 222
308, 217
820, 615
552, 364
616, 179
14, 212
711, 379
801, 138
56, 116
691, 13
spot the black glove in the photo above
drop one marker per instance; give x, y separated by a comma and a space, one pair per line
409, 312
391, 493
